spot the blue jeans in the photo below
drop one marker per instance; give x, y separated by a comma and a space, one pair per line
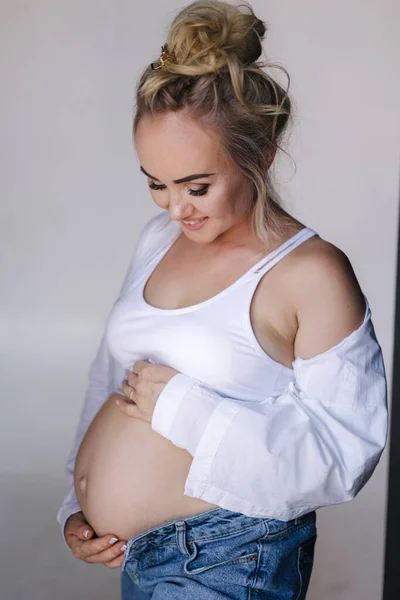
219, 554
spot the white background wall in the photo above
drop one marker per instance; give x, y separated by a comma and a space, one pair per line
73, 202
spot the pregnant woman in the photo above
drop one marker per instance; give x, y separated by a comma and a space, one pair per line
239, 385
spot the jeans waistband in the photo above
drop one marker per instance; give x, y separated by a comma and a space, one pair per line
205, 525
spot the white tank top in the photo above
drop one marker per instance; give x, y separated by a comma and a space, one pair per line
212, 341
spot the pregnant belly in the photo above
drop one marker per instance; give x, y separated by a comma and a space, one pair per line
128, 478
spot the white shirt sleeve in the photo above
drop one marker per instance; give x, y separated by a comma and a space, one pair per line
105, 375
316, 444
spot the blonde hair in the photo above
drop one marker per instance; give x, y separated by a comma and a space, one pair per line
214, 77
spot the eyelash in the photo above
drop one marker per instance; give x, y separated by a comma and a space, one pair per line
201, 192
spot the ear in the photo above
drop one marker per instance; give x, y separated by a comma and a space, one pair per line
269, 155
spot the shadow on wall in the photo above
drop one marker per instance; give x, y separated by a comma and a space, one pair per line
391, 584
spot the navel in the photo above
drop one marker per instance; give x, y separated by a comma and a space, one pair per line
82, 483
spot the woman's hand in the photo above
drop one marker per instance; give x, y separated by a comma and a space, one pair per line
142, 389
106, 549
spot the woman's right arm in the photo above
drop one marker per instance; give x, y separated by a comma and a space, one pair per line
105, 375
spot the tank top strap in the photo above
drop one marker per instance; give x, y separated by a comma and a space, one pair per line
267, 262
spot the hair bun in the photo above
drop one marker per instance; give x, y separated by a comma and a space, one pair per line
210, 32
254, 45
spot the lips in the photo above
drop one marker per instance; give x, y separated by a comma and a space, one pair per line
199, 219
200, 223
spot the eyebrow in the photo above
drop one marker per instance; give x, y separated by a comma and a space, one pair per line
187, 178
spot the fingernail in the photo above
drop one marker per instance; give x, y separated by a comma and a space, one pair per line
113, 540
123, 548
117, 402
86, 533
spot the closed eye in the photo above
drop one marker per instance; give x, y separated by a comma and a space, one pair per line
201, 192
154, 186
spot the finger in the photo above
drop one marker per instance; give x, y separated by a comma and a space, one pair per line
132, 379
126, 391
74, 522
84, 549
138, 364
82, 533
85, 532
116, 562
108, 555
129, 408
121, 385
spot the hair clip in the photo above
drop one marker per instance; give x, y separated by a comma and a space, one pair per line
165, 55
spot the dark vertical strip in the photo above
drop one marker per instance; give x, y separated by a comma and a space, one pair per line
391, 582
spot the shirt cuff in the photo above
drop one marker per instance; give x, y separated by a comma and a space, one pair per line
64, 513
168, 403
183, 411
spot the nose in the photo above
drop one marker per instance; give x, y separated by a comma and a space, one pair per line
179, 210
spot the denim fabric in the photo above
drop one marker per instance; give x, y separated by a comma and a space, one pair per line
219, 554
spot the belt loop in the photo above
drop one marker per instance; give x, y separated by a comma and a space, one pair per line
180, 527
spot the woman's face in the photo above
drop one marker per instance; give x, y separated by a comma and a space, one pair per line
173, 146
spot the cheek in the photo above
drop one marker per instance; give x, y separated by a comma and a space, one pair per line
221, 202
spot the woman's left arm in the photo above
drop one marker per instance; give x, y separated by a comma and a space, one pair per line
316, 444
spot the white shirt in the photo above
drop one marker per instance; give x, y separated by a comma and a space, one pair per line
266, 440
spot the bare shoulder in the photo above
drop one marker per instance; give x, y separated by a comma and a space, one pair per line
327, 299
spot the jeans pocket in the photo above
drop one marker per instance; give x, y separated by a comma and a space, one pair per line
305, 564
240, 547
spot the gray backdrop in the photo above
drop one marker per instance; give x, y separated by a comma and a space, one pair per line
73, 202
